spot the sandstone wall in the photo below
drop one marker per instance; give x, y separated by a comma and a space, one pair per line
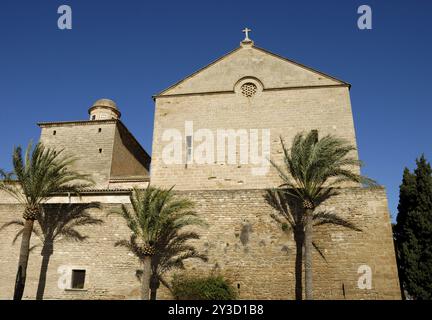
284, 113
242, 241
274, 71
104, 149
128, 159
92, 142
110, 271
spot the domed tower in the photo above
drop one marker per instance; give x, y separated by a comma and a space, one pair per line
105, 149
104, 109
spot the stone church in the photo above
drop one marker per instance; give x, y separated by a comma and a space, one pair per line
214, 132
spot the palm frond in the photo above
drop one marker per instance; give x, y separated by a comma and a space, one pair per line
324, 217
20, 224
40, 173
157, 218
313, 166
165, 283
318, 249
17, 235
15, 222
59, 220
280, 201
32, 248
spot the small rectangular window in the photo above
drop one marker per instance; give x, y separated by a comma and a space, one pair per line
188, 149
78, 279
93, 117
54, 133
100, 130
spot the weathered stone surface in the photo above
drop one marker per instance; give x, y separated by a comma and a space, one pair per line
245, 61
281, 106
104, 149
243, 243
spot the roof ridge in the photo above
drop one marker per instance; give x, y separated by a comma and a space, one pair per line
302, 65
196, 72
161, 93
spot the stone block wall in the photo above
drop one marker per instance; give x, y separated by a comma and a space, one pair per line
128, 158
242, 242
104, 149
283, 112
91, 142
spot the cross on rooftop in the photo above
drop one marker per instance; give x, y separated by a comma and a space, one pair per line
246, 32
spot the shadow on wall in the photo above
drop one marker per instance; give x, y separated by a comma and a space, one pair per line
56, 222
291, 216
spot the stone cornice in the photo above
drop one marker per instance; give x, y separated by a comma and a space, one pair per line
131, 179
78, 122
264, 90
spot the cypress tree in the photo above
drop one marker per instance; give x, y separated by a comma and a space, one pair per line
413, 231
407, 197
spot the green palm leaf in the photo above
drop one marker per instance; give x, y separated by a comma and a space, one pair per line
313, 170
157, 219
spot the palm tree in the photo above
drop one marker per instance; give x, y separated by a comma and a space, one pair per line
171, 253
293, 220
56, 222
156, 219
172, 250
39, 174
313, 169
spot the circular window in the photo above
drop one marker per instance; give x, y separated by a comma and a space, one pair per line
248, 89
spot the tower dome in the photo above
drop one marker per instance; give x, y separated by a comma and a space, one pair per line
104, 109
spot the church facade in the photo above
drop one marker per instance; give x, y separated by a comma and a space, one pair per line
214, 133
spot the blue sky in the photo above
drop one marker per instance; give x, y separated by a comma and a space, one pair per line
129, 50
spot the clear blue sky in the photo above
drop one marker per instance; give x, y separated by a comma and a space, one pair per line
129, 50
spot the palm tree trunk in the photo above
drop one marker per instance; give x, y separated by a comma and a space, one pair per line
153, 293
145, 278
46, 255
23, 260
299, 240
308, 255
154, 285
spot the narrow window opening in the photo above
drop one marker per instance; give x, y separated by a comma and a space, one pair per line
100, 150
78, 279
100, 130
188, 149
54, 132
93, 117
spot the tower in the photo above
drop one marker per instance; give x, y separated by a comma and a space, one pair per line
104, 109
103, 146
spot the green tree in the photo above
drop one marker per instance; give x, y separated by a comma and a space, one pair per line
57, 222
172, 250
413, 231
291, 217
212, 287
156, 219
37, 176
311, 171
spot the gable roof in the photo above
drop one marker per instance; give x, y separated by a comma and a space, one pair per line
303, 66
273, 70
